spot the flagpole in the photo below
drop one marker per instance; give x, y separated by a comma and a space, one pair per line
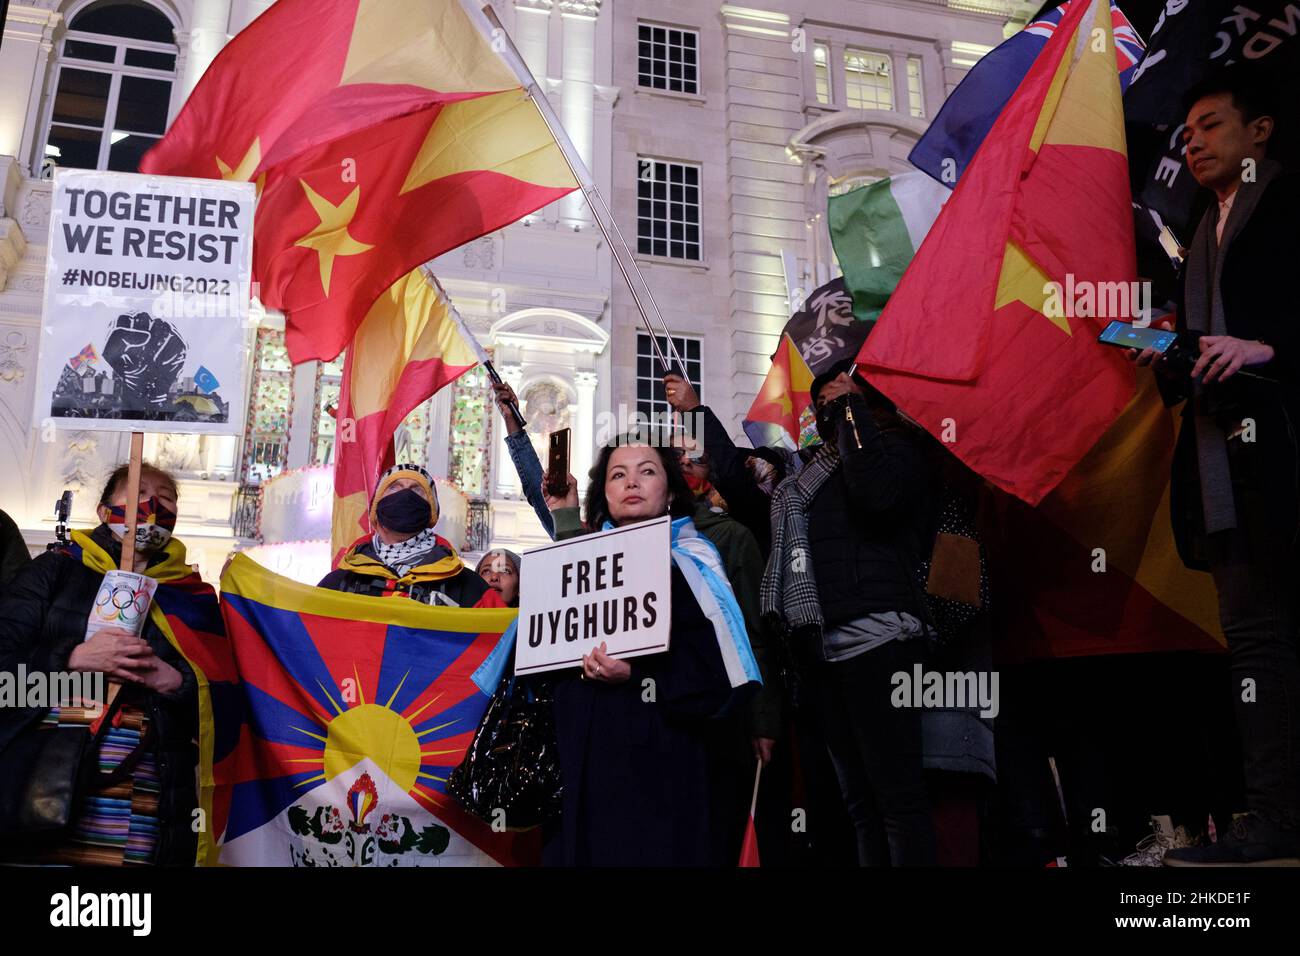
488, 17
472, 340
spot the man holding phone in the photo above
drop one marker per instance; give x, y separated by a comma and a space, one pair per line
1235, 488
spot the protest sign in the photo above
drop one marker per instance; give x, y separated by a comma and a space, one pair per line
146, 303
614, 588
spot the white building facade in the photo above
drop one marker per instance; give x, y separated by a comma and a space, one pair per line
715, 130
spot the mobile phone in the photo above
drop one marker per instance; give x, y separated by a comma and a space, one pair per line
557, 464
1127, 335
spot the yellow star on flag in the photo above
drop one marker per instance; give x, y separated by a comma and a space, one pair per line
244, 170
330, 238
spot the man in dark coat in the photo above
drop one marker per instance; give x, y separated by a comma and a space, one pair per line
847, 534
1235, 502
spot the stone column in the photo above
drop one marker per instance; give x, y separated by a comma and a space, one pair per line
577, 107
29, 37
302, 426
532, 20
439, 461
584, 440
207, 35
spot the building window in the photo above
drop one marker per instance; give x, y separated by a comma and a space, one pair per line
270, 408
867, 81
650, 399
668, 58
113, 85
915, 92
821, 72
471, 433
668, 209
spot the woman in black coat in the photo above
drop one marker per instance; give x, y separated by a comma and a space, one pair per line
646, 762
146, 817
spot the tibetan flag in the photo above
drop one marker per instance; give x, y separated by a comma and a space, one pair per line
989, 341
950, 143
774, 417
876, 229
85, 356
406, 349
1112, 507
356, 709
398, 134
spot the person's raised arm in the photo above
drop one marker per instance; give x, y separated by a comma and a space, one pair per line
524, 457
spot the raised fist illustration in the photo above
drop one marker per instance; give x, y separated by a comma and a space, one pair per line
146, 356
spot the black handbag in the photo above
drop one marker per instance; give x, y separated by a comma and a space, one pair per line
513, 764
45, 770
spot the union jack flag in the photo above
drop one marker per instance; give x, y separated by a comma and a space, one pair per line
1128, 45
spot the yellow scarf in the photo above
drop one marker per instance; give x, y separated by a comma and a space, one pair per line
445, 567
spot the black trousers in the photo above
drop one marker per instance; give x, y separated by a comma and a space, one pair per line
1257, 575
876, 750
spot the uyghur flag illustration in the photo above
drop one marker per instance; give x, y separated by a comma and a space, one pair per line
397, 134
355, 711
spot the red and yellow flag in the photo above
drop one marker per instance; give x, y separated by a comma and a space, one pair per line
983, 341
1094, 566
406, 349
397, 135
774, 415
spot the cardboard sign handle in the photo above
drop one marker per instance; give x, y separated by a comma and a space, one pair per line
132, 501
128, 540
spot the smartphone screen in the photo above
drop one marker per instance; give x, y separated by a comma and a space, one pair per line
557, 464
1129, 336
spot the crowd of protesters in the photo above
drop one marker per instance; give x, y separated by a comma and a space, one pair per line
799, 594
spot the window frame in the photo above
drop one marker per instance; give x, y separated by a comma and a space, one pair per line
116, 71
850, 51
682, 341
916, 110
667, 61
668, 201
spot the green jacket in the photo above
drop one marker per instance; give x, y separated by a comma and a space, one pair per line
744, 566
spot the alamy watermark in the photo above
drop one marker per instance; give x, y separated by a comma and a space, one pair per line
961, 690
1102, 300
45, 689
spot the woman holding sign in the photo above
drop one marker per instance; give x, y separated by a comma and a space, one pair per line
63, 614
643, 752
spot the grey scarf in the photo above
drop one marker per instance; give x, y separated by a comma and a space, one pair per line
1203, 303
789, 589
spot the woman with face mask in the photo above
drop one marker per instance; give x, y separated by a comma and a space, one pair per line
139, 808
644, 746
405, 557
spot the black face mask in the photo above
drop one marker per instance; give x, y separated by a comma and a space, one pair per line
404, 511
828, 419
